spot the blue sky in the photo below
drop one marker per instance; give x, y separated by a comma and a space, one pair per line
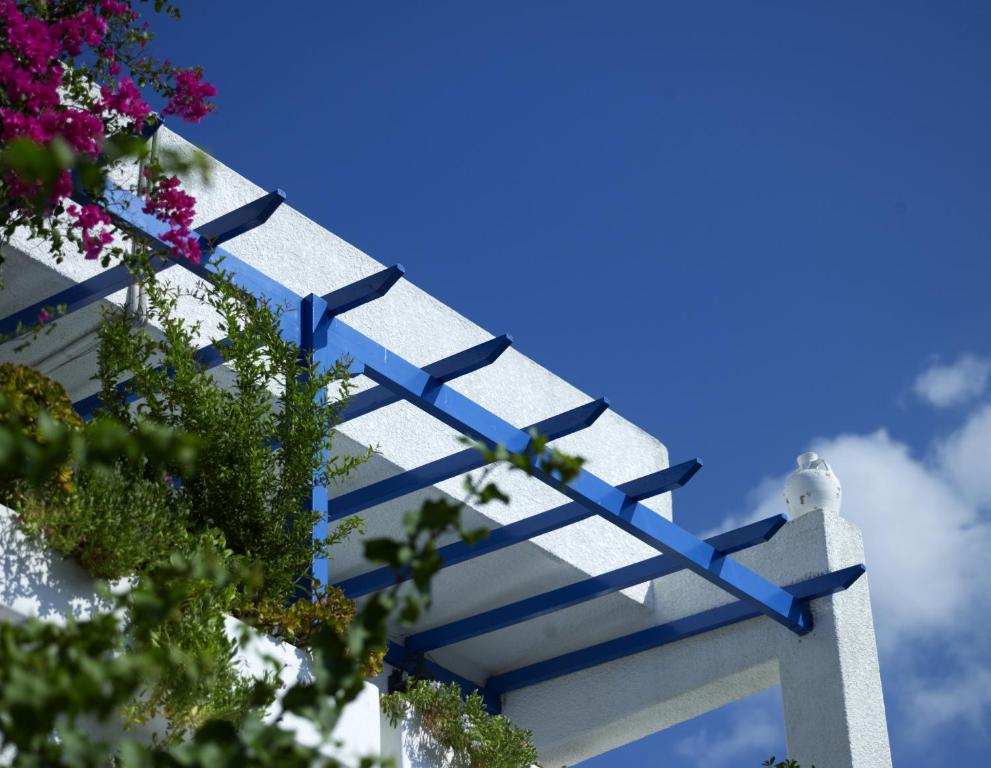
756, 227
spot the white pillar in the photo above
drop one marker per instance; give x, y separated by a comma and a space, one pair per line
830, 678
831, 687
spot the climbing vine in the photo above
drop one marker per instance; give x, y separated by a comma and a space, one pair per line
462, 733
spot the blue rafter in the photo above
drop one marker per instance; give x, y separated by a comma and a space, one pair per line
653, 484
456, 464
240, 220
663, 634
459, 364
464, 415
361, 292
73, 298
585, 590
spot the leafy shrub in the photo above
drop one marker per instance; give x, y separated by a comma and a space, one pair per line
115, 523
475, 738
268, 434
201, 683
27, 394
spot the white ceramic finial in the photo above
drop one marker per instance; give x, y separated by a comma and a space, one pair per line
812, 487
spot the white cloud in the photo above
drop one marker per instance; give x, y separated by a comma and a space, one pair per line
927, 532
944, 385
757, 728
965, 458
925, 541
965, 697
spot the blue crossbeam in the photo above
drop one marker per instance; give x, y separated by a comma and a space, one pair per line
585, 590
456, 464
80, 295
73, 298
361, 291
463, 414
459, 364
397, 657
664, 481
240, 220
467, 417
663, 634
127, 212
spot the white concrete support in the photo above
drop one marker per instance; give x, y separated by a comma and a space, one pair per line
831, 687
830, 680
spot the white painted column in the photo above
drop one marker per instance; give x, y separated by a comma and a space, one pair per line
830, 678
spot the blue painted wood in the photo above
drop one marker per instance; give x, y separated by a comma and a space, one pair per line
461, 413
240, 220
73, 298
585, 590
312, 310
100, 286
361, 292
459, 364
544, 522
422, 668
456, 464
663, 634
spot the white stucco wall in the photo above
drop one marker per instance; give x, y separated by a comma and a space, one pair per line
36, 582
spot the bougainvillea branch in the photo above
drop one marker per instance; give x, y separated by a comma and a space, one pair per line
71, 107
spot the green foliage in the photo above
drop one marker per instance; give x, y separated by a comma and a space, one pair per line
27, 394
475, 738
60, 680
115, 522
786, 763
34, 455
200, 683
276, 399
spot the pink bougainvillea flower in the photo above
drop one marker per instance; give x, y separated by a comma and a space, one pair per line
190, 98
88, 219
170, 204
127, 101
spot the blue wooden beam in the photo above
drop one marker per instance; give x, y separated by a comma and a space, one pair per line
585, 590
461, 413
80, 295
458, 411
456, 464
73, 298
127, 212
459, 364
422, 668
361, 291
312, 310
536, 525
240, 220
663, 634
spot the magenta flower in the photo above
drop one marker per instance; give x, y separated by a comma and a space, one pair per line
189, 99
127, 100
170, 204
87, 219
